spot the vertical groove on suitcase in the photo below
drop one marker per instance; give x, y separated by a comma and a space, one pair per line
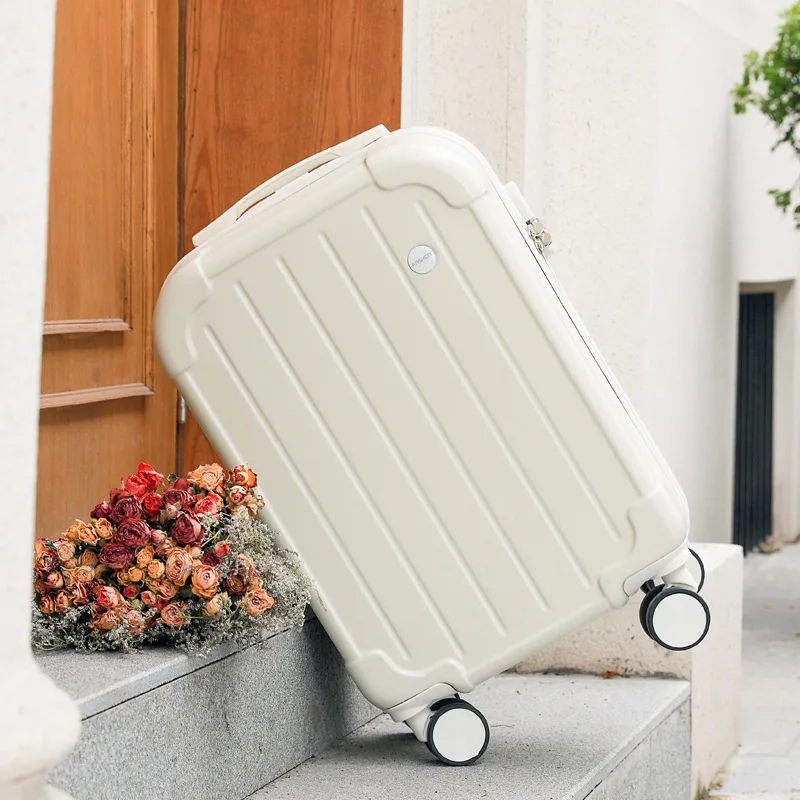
312, 499
346, 462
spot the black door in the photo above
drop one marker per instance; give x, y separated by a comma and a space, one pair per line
752, 510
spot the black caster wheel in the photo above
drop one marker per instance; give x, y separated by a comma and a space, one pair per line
676, 618
458, 734
652, 592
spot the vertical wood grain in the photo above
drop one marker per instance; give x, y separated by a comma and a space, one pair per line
268, 83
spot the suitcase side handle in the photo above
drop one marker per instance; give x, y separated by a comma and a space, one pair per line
282, 179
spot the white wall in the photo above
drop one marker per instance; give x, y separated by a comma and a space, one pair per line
616, 117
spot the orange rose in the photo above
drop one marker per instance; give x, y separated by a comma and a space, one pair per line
40, 545
81, 593
163, 589
66, 549
124, 577
47, 604
63, 601
255, 603
136, 575
235, 584
209, 476
205, 581
174, 615
84, 574
237, 495
242, 476
135, 622
155, 569
255, 583
70, 564
215, 604
106, 620
145, 556
39, 585
55, 580
104, 529
179, 566
88, 558
46, 561
79, 531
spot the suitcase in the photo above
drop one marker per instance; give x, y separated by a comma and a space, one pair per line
376, 332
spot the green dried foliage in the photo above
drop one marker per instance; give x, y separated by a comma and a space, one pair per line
771, 83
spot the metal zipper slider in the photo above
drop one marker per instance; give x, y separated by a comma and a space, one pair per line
536, 230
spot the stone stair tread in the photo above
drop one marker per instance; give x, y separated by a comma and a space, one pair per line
553, 738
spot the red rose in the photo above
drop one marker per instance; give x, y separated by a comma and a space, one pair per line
221, 549
100, 511
136, 485
209, 559
182, 497
148, 598
210, 504
151, 478
116, 556
160, 604
125, 505
187, 529
130, 591
132, 533
107, 597
152, 504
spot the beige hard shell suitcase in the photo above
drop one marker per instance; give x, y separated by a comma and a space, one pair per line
376, 332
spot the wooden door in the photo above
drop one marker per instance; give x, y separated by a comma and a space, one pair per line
105, 402
267, 83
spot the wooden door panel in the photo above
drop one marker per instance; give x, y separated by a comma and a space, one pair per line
112, 238
268, 83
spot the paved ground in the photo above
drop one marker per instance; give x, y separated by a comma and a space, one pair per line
768, 766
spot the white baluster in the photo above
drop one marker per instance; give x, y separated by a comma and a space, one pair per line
38, 722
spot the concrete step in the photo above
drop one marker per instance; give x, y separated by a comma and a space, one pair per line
553, 738
159, 725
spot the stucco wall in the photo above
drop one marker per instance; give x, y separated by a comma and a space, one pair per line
616, 118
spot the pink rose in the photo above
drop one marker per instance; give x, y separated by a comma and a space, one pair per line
107, 597
237, 495
100, 511
132, 533
105, 620
136, 485
66, 549
126, 505
116, 556
205, 581
187, 529
152, 504
148, 598
179, 566
221, 549
55, 580
210, 504
47, 605
88, 558
63, 601
182, 497
181, 484
157, 537
151, 478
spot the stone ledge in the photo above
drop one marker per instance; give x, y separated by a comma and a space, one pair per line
162, 726
556, 737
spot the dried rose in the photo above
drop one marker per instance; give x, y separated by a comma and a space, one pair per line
70, 563
135, 574
105, 530
255, 603
152, 503
46, 561
81, 593
106, 597
221, 549
235, 584
152, 478
136, 485
148, 598
210, 504
165, 590
174, 615
79, 531
181, 484
83, 574
130, 592
210, 559
124, 506
124, 577
63, 601
155, 569
179, 497
195, 552
179, 566
100, 511
208, 476
135, 622
47, 604
55, 580
242, 476
215, 604
88, 558
158, 537
66, 549
187, 529
145, 556
39, 545
132, 533
116, 556
255, 583
237, 495
40, 585
106, 620
205, 581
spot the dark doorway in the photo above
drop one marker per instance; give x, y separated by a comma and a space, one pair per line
752, 510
